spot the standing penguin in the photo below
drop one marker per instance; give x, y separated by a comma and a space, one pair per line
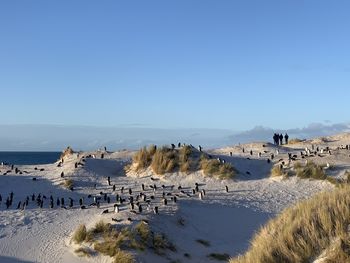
200, 195
155, 210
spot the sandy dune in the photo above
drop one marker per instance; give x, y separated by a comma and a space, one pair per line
226, 220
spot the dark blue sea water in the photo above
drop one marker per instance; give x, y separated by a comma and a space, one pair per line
21, 158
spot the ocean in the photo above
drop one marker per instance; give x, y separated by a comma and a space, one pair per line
26, 158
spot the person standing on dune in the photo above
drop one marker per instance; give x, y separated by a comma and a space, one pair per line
286, 137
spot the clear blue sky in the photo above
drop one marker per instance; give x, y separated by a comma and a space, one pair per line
201, 64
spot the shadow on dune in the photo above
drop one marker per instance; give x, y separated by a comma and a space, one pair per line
4, 259
228, 229
105, 167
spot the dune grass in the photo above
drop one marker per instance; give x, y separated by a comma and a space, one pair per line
302, 232
143, 157
213, 167
161, 243
79, 234
111, 241
347, 177
68, 151
123, 257
295, 141
83, 252
184, 159
164, 160
68, 183
311, 170
277, 171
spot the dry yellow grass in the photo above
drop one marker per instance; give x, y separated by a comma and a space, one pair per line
277, 171
68, 183
185, 159
80, 234
143, 157
302, 232
83, 252
108, 240
295, 141
213, 167
164, 160
311, 170
68, 151
123, 257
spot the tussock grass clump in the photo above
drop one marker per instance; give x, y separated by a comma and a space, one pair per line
339, 251
184, 159
68, 151
347, 177
161, 243
144, 232
277, 170
123, 257
311, 170
219, 257
107, 247
68, 183
143, 157
165, 160
213, 167
79, 234
110, 241
333, 180
83, 252
302, 232
101, 227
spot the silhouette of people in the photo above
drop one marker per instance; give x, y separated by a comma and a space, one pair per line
276, 139
286, 137
281, 138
